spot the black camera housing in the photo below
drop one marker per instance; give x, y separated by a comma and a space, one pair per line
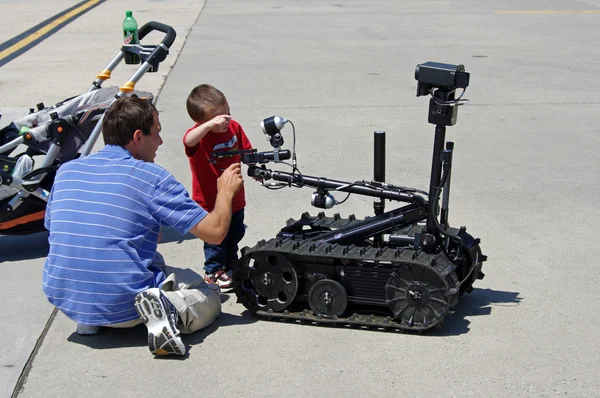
445, 79
442, 76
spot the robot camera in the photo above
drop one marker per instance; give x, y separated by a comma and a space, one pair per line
272, 128
446, 77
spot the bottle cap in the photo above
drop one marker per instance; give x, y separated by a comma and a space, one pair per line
128, 13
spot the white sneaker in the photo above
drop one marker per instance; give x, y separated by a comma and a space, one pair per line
161, 320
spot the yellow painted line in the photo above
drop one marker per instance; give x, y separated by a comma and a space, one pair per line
42, 31
533, 12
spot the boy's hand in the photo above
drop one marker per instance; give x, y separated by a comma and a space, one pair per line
219, 123
231, 180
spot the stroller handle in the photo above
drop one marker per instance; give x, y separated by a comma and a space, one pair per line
166, 29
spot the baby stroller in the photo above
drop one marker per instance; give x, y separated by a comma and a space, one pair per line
61, 133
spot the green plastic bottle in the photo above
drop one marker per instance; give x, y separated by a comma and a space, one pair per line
130, 36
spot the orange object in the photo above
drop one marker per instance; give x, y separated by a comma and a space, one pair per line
127, 87
23, 220
105, 75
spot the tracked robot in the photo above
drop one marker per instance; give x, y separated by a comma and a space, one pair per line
399, 270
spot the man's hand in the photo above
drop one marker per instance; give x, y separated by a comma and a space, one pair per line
219, 124
231, 180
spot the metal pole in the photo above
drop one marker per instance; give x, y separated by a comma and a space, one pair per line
436, 171
379, 168
446, 194
379, 175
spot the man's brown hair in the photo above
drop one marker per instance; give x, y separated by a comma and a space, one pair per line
203, 99
124, 116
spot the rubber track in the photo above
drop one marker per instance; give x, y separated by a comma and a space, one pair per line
361, 321
393, 257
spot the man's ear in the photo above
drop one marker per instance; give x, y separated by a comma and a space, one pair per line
137, 136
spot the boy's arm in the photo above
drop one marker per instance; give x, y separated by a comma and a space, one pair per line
193, 137
217, 124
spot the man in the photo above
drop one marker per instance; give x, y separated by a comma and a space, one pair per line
104, 216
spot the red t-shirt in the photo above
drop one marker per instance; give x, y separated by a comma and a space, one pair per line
206, 169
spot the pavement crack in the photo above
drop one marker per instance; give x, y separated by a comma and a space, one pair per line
25, 372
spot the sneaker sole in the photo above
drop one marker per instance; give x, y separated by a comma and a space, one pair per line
226, 286
162, 340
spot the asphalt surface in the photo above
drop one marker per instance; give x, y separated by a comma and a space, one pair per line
524, 181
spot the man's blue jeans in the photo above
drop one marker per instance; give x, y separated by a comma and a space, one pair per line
217, 257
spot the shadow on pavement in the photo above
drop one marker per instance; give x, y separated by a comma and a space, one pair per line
224, 320
110, 338
224, 298
478, 302
23, 247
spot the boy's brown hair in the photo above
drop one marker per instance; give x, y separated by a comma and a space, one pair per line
203, 99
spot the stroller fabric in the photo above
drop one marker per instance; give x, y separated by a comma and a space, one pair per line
81, 113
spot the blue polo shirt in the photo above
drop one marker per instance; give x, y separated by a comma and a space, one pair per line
104, 216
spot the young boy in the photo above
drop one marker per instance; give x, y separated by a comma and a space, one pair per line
215, 131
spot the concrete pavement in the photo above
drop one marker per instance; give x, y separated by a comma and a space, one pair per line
524, 181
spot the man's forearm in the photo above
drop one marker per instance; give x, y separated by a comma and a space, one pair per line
214, 227
222, 211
